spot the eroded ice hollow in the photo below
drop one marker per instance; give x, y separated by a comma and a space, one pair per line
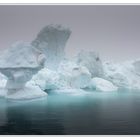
19, 63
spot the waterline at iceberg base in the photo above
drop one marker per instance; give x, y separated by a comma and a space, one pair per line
44, 92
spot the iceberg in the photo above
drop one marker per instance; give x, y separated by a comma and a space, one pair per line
81, 77
51, 41
3, 81
68, 76
124, 75
19, 63
30, 92
117, 74
46, 80
100, 84
74, 75
65, 70
92, 62
28, 70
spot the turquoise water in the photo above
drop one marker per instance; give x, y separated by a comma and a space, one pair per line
67, 114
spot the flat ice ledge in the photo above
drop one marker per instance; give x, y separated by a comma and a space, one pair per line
26, 93
71, 91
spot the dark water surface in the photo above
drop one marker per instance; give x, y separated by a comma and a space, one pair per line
94, 113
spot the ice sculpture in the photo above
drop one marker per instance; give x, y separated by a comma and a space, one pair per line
19, 63
92, 62
51, 41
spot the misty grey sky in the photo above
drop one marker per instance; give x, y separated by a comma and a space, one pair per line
113, 31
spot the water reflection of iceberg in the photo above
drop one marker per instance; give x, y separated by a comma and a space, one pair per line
32, 118
3, 113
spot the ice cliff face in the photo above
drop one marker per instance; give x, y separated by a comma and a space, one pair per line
51, 41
